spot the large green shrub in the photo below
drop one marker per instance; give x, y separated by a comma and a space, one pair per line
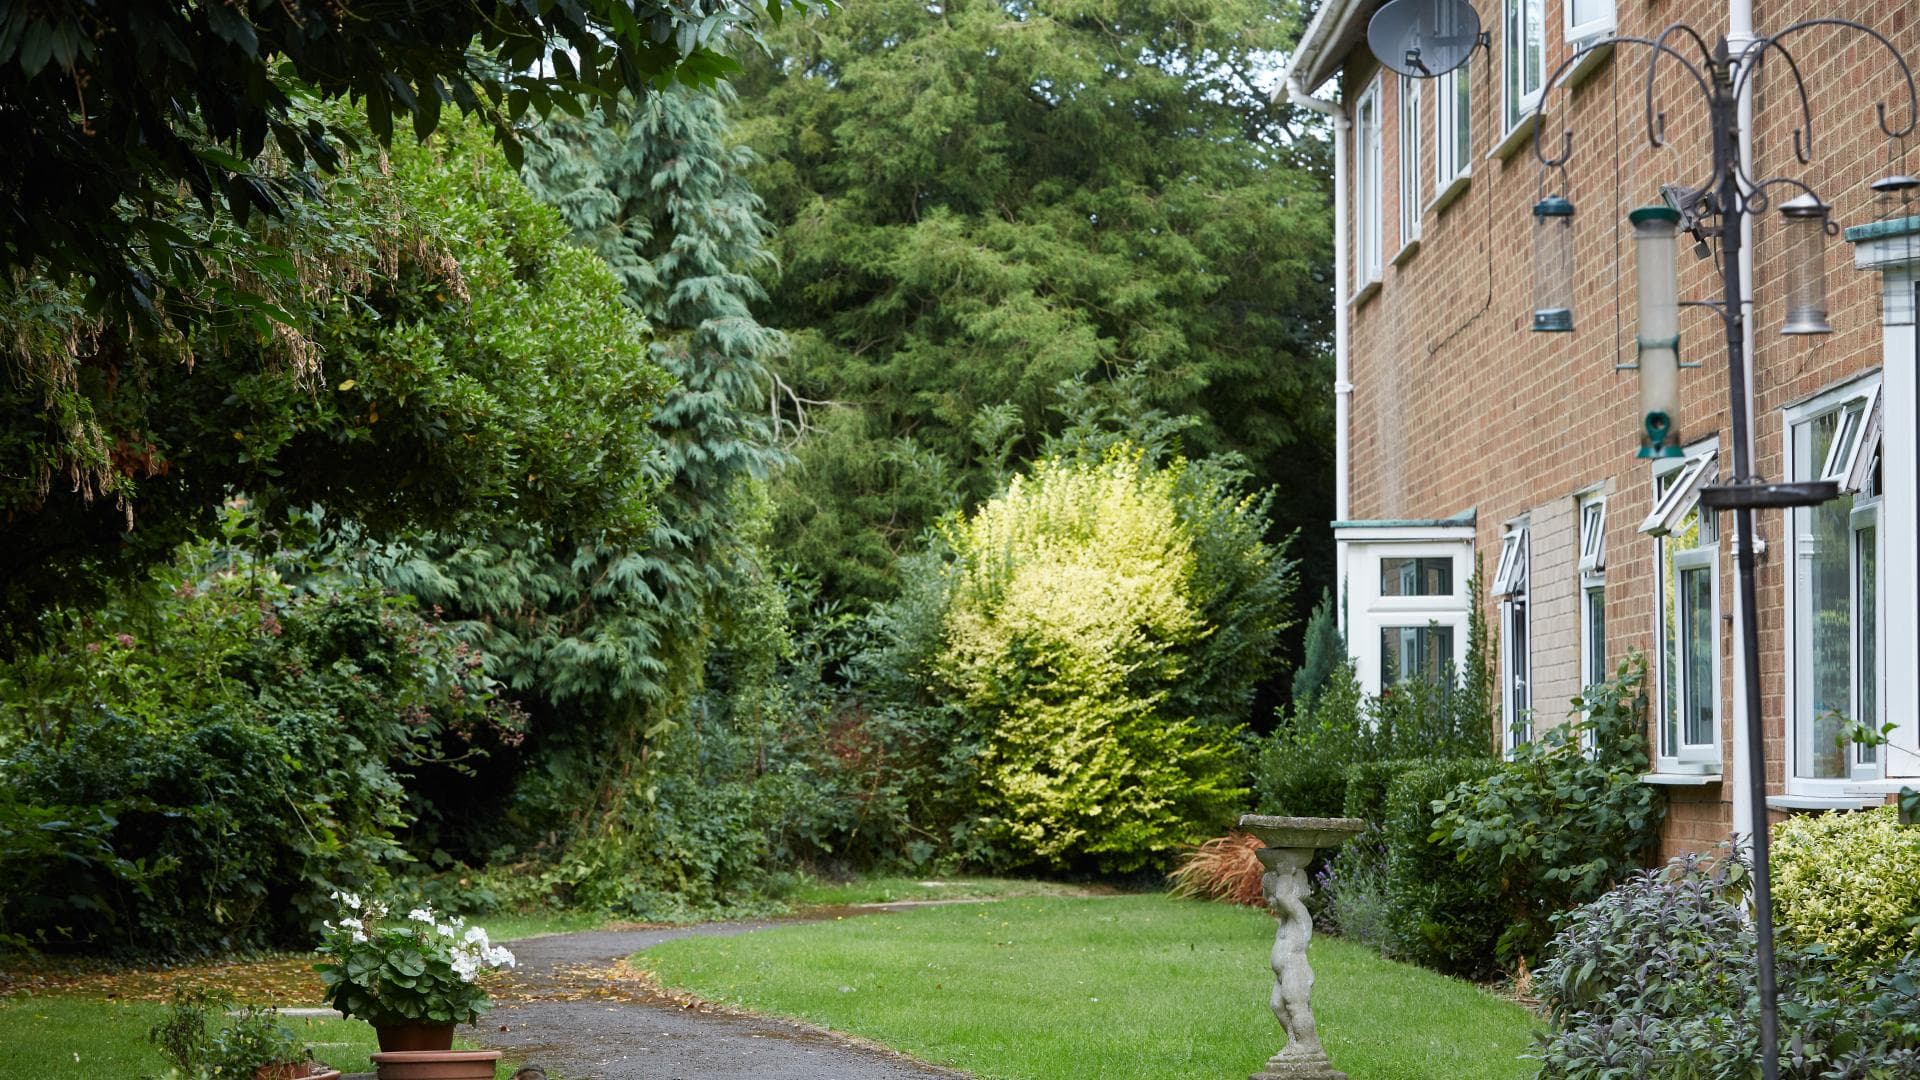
1446, 910
1567, 817
1849, 882
1079, 611
222, 748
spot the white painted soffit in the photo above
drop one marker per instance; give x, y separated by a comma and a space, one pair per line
1335, 29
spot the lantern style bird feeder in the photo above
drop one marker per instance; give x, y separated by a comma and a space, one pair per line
1654, 228
1805, 229
1553, 265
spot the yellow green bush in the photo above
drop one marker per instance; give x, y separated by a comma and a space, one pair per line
1076, 603
1850, 882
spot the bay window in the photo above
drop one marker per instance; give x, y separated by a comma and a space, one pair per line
1406, 599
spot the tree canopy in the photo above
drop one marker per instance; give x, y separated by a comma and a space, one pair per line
977, 201
110, 106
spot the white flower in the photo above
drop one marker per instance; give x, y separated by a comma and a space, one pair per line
351, 901
499, 957
446, 929
359, 936
421, 915
465, 966
476, 935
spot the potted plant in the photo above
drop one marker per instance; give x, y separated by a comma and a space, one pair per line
251, 1046
414, 979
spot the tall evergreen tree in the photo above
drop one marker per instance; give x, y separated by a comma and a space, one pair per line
615, 637
979, 199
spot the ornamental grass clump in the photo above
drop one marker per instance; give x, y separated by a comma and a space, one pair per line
1850, 883
423, 969
1226, 868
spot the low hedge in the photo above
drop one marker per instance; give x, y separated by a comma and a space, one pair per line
1446, 909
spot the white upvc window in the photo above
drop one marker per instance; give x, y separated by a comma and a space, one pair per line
1410, 200
1510, 585
1686, 614
1593, 589
1367, 193
1407, 602
1523, 49
1452, 129
1836, 613
1588, 21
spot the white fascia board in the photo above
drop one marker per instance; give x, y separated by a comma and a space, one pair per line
1323, 48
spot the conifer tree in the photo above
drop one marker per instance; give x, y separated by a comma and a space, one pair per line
615, 638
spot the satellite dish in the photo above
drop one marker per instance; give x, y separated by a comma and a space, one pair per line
1424, 39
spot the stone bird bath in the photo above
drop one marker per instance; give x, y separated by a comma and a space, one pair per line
1291, 842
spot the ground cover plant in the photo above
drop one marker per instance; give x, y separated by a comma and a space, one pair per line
1657, 976
1130, 987
75, 1038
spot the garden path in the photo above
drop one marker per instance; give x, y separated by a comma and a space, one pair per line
576, 1010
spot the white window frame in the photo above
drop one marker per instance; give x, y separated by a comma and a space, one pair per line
1368, 194
1582, 35
1411, 203
1516, 17
1452, 163
1511, 582
1591, 513
1682, 496
1368, 612
1849, 460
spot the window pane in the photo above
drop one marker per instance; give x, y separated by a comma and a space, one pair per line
1415, 652
1866, 633
1696, 618
1685, 537
1596, 635
1824, 541
1587, 11
1536, 58
1416, 576
1462, 118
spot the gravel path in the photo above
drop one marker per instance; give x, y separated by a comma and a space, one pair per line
578, 1019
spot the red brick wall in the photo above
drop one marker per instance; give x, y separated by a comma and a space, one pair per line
1458, 404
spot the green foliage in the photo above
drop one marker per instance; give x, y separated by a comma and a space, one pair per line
634, 789
1093, 634
1304, 766
1446, 912
976, 204
1324, 649
421, 969
200, 759
1656, 978
242, 1048
456, 363
1849, 882
127, 102
1567, 817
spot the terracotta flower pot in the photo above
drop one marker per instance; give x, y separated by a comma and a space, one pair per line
416, 1035
437, 1065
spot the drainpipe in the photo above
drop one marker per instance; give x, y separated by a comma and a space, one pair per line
1342, 388
1746, 816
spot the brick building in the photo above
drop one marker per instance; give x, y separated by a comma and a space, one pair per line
1465, 436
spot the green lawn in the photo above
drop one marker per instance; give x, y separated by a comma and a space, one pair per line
812, 892
1136, 986
56, 1038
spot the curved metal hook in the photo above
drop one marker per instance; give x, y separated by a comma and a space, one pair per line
1759, 202
1553, 80
1758, 49
1653, 70
1803, 152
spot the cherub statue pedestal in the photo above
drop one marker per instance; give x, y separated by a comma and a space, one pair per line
1291, 843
